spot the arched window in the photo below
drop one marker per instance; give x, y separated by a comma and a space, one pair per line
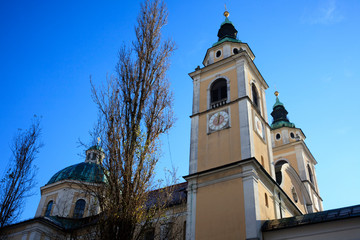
266, 200
79, 208
310, 174
218, 93
255, 96
149, 234
278, 173
48, 208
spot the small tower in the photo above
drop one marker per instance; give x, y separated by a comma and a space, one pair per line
95, 154
279, 115
292, 155
65, 193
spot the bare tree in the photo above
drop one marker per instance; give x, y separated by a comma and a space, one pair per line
135, 108
19, 178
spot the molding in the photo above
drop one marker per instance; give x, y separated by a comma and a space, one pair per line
217, 74
246, 130
221, 53
191, 210
270, 152
246, 49
227, 104
224, 61
284, 155
194, 137
264, 104
300, 142
213, 66
289, 169
219, 169
313, 188
240, 75
196, 95
251, 206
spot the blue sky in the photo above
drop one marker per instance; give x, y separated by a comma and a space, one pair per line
307, 50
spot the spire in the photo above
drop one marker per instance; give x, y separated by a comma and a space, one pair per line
279, 115
227, 29
95, 154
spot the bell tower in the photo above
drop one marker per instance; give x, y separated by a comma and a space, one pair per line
290, 151
229, 110
230, 142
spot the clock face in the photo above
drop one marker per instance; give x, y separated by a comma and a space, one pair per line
218, 120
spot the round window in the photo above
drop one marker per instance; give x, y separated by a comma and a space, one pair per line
277, 136
218, 53
292, 135
235, 51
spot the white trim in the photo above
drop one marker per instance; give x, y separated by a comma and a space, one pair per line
242, 55
232, 50
300, 161
223, 179
293, 134
221, 53
291, 171
227, 50
196, 95
253, 81
191, 210
281, 159
251, 204
276, 137
246, 133
247, 86
270, 151
285, 136
240, 75
284, 154
217, 73
194, 137
264, 104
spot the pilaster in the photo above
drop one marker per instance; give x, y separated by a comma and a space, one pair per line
251, 203
246, 133
191, 209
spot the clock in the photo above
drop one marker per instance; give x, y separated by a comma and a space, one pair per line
218, 120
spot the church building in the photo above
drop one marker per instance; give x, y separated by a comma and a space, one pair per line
249, 177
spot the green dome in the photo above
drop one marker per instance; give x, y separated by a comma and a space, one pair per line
279, 115
85, 171
277, 103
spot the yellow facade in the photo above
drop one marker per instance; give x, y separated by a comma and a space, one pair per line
216, 219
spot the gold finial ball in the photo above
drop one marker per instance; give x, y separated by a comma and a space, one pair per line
276, 93
226, 14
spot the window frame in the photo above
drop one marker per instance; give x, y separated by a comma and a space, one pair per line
255, 96
310, 173
79, 210
222, 101
49, 210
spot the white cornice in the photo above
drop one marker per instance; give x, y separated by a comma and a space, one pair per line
242, 55
297, 143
